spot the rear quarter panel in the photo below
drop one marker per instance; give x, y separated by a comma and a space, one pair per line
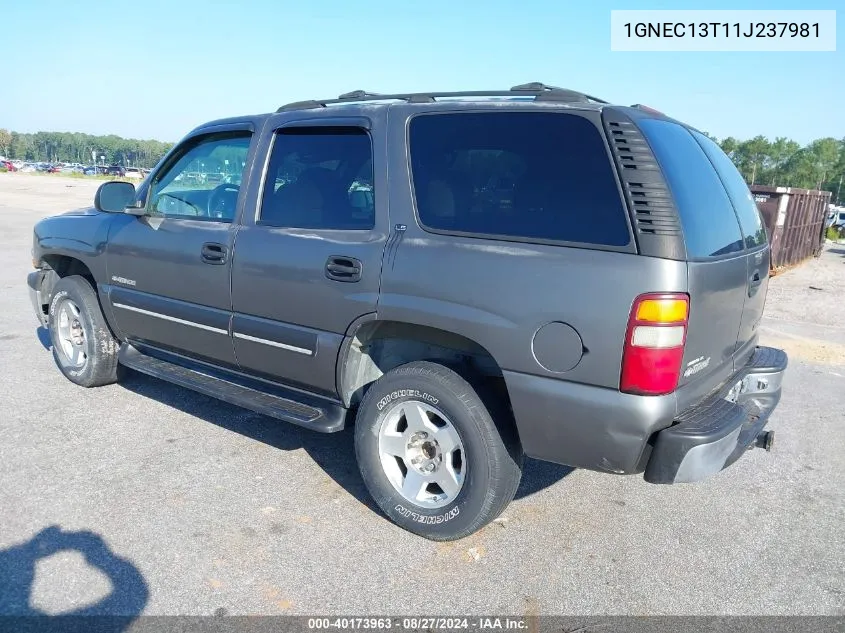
500, 294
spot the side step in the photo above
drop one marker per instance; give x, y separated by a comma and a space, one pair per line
275, 401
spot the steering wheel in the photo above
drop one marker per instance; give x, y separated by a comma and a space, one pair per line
222, 201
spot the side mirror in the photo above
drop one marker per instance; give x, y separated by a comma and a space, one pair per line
114, 196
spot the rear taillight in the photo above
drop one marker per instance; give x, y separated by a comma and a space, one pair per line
654, 344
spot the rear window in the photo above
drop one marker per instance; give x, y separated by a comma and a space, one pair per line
750, 221
707, 215
523, 175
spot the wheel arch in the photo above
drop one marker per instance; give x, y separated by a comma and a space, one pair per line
55, 266
374, 346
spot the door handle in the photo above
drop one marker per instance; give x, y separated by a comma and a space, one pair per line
341, 268
754, 282
213, 253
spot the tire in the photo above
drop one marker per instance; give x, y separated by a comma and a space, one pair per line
83, 346
478, 464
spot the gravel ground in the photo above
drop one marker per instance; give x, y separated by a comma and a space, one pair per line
179, 504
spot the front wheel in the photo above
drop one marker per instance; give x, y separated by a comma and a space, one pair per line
83, 346
431, 455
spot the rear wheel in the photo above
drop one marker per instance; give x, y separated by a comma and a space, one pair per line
83, 346
431, 455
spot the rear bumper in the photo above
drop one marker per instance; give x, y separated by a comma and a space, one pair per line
716, 432
33, 281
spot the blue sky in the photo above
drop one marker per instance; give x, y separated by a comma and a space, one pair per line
156, 68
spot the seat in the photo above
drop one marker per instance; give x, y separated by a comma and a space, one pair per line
299, 204
437, 204
315, 200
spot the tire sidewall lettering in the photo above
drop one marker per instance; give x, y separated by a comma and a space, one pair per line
427, 519
61, 294
398, 394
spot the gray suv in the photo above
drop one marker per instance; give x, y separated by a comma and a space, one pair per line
469, 277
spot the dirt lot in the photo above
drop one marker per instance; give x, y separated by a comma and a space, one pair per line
177, 503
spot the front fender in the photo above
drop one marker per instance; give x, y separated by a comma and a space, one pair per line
81, 236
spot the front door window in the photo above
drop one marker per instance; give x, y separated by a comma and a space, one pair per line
204, 181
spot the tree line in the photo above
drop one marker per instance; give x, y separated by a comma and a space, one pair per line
785, 163
782, 162
75, 147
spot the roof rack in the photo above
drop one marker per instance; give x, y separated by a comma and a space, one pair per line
540, 92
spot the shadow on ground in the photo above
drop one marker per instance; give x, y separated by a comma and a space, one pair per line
333, 452
43, 335
127, 599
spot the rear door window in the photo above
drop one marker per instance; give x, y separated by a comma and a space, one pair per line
516, 175
750, 221
320, 178
707, 215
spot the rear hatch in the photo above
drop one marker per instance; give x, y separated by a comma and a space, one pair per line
727, 254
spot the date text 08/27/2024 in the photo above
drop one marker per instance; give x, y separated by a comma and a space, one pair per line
420, 623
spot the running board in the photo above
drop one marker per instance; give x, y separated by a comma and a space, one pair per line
275, 401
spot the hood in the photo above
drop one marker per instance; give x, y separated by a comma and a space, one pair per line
82, 211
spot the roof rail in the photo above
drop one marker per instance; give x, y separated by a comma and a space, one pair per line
540, 92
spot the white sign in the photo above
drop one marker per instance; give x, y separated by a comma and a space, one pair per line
723, 30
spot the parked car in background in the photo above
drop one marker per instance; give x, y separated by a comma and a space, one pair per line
8, 165
115, 170
134, 173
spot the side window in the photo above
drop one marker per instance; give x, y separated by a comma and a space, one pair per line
749, 215
320, 178
205, 180
520, 175
707, 215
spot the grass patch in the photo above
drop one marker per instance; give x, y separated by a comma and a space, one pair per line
77, 176
834, 233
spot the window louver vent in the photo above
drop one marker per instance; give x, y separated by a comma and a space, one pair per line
645, 189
